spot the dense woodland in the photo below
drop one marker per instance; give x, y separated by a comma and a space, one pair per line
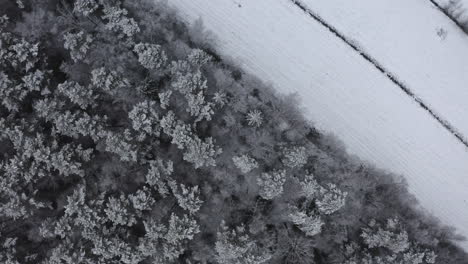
126, 139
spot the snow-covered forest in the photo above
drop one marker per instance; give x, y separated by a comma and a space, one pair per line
126, 138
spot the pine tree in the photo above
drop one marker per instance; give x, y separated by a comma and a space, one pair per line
271, 184
295, 157
85, 7
188, 80
310, 224
254, 118
166, 243
120, 145
158, 174
118, 212
310, 187
151, 56
119, 22
77, 94
392, 244
201, 153
187, 197
13, 92
237, 247
78, 44
164, 98
389, 237
245, 163
108, 81
331, 199
142, 199
145, 119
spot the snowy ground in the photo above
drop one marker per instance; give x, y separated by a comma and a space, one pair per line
345, 94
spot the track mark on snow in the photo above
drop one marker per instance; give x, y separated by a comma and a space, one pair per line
382, 69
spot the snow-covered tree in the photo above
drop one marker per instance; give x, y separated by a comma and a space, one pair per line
390, 236
114, 249
254, 118
310, 187
34, 81
295, 157
245, 163
181, 228
142, 200
197, 151
21, 54
151, 56
106, 80
119, 145
78, 94
76, 124
158, 174
188, 79
67, 253
237, 247
164, 98
118, 212
119, 22
166, 243
331, 199
391, 242
199, 58
8, 251
201, 152
310, 224
197, 106
220, 98
187, 197
271, 183
76, 201
145, 119
168, 123
85, 7
65, 160
78, 44
12, 93
181, 133
4, 19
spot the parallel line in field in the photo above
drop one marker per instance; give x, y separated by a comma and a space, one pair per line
382, 69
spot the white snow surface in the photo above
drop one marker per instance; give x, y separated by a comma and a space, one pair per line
403, 37
344, 94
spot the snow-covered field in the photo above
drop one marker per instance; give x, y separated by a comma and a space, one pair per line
345, 94
425, 51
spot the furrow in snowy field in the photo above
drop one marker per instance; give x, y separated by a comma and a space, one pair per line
426, 52
344, 94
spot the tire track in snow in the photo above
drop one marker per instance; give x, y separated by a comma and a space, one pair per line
384, 71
